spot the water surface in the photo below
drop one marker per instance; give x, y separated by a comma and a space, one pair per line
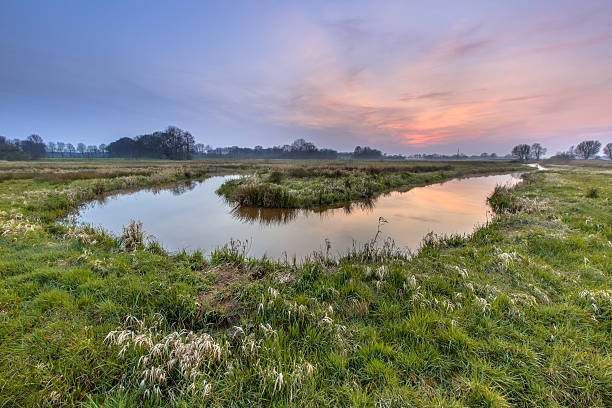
193, 216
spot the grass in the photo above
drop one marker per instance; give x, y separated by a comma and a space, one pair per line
592, 192
334, 184
517, 315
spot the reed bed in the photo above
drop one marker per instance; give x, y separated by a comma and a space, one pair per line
315, 186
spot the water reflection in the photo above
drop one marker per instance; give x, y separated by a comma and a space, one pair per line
272, 216
180, 188
363, 205
265, 216
174, 189
192, 216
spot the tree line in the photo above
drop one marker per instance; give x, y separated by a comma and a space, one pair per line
31, 148
172, 143
299, 149
584, 150
176, 144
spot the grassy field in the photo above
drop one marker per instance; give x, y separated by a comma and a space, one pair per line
517, 315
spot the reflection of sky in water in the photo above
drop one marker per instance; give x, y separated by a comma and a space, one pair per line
195, 217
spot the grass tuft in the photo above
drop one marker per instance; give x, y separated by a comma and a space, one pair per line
592, 192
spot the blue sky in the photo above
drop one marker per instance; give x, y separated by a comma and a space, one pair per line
401, 76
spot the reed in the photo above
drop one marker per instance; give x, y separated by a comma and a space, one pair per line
317, 185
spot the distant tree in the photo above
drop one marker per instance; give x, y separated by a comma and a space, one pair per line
172, 143
92, 150
34, 146
178, 144
61, 148
35, 139
566, 155
81, 148
70, 148
366, 152
562, 156
51, 147
608, 150
10, 150
102, 148
587, 149
484, 155
124, 147
537, 151
493, 155
151, 145
521, 151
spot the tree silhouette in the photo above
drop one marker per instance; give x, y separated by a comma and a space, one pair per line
366, 152
521, 151
61, 148
34, 146
608, 150
587, 149
537, 151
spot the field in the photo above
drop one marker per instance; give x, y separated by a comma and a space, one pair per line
517, 315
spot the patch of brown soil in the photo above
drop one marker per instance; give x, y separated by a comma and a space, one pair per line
219, 300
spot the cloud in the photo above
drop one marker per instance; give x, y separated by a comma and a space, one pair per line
523, 98
465, 50
572, 45
396, 76
430, 95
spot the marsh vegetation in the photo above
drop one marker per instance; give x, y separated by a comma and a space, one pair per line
516, 314
337, 184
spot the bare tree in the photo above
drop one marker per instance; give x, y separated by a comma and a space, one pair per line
608, 150
51, 147
587, 149
81, 148
102, 148
61, 148
537, 151
92, 150
70, 148
521, 151
35, 139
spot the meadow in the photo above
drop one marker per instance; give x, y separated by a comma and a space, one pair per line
518, 314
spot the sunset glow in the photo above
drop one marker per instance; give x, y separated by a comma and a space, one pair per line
400, 76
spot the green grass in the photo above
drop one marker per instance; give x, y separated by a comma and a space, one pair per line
517, 315
335, 185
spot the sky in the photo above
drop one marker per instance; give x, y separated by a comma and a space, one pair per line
402, 76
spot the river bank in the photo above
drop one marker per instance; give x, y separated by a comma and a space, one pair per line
517, 314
